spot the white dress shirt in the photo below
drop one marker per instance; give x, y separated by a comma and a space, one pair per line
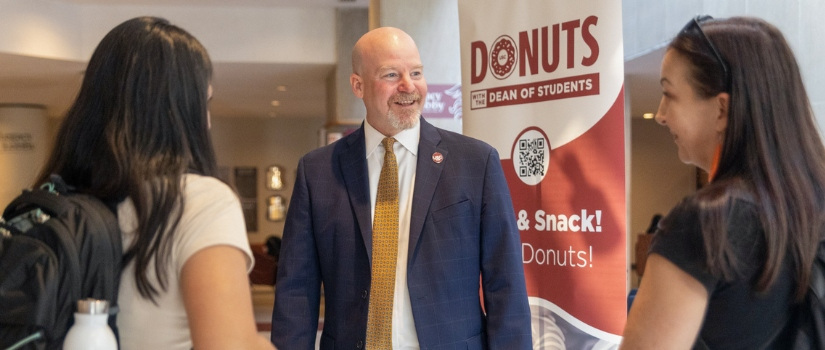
404, 336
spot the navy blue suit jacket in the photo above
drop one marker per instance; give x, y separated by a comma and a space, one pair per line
462, 227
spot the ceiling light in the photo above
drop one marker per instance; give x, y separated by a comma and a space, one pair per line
276, 103
648, 115
281, 88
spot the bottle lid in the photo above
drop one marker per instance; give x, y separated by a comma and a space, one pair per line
92, 306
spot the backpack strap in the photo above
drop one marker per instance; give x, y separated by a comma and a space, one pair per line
44, 199
59, 185
30, 208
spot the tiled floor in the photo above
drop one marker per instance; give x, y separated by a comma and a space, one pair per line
263, 297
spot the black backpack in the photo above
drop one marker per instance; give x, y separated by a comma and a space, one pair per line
56, 247
810, 327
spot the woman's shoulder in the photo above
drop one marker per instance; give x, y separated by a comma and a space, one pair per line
725, 196
731, 199
727, 190
199, 179
195, 184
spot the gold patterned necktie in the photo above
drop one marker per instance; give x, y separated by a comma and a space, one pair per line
384, 253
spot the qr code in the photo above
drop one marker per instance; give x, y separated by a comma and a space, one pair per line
531, 155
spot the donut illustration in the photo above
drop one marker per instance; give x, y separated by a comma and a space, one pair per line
503, 57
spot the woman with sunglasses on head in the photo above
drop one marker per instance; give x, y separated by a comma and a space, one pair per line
730, 263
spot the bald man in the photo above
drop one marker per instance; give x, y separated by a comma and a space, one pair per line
456, 228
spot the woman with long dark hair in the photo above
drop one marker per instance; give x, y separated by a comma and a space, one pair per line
138, 135
729, 264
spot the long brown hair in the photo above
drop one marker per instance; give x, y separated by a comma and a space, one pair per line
138, 124
772, 150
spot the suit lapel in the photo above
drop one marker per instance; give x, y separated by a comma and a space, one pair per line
427, 174
354, 170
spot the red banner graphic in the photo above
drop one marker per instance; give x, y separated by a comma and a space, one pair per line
572, 224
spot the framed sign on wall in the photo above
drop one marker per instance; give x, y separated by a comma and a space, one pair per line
246, 181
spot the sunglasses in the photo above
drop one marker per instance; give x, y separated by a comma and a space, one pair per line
696, 22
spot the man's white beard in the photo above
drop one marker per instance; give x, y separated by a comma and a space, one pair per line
403, 122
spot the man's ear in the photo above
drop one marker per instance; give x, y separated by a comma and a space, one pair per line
357, 85
723, 102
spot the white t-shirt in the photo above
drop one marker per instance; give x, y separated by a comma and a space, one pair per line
211, 216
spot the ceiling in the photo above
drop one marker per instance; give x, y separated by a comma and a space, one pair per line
244, 89
241, 89
233, 3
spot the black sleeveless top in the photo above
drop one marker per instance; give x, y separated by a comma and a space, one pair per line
737, 316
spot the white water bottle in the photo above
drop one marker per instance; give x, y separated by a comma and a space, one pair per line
91, 329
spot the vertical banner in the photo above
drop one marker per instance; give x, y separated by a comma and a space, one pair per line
543, 83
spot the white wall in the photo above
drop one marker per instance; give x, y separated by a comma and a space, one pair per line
259, 143
55, 27
24, 145
233, 34
658, 179
52, 29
